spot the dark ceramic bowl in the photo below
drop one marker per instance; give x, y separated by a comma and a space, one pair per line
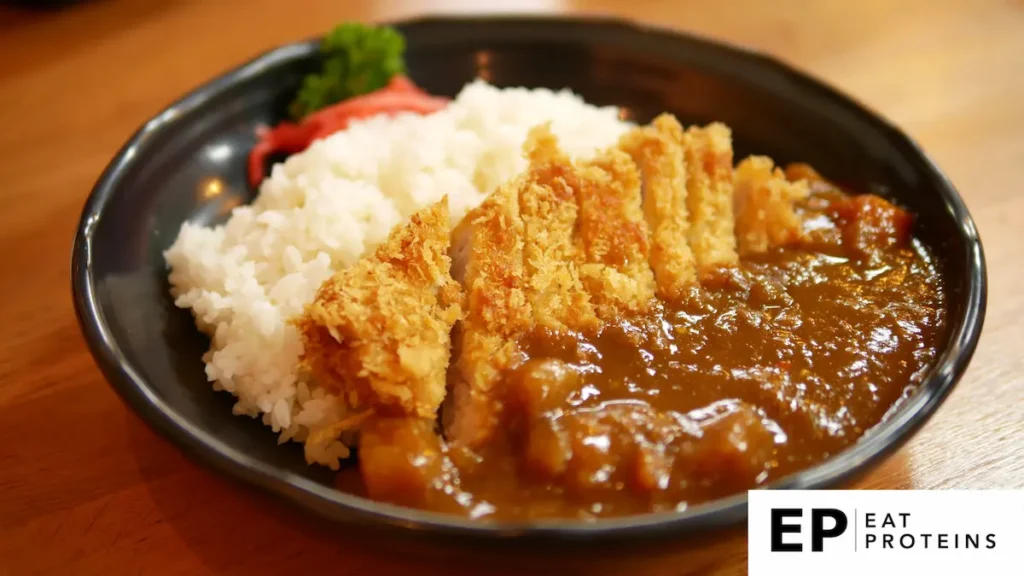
150, 351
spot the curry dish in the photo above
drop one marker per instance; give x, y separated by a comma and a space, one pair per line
643, 331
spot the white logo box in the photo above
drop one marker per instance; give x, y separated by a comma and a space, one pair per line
869, 532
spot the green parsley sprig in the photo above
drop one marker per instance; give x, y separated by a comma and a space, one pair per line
357, 59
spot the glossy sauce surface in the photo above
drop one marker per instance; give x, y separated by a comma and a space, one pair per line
764, 370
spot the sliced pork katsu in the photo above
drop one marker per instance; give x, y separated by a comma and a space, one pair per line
709, 196
658, 152
613, 243
378, 333
602, 238
488, 254
549, 211
562, 247
764, 202
688, 199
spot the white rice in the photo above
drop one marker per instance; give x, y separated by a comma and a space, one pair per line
321, 210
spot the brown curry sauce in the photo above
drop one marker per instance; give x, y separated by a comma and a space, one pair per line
766, 369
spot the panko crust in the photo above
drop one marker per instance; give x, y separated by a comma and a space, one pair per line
378, 334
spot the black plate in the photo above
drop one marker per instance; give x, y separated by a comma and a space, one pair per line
150, 351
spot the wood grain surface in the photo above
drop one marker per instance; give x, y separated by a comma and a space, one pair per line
87, 488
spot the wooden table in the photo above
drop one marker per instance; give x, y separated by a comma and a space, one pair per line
86, 488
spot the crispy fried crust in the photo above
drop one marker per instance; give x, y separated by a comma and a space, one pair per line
547, 204
612, 237
658, 152
490, 242
764, 201
520, 255
378, 333
709, 197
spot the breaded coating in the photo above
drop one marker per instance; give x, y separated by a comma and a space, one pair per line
612, 237
547, 205
658, 152
764, 201
709, 196
489, 255
517, 257
378, 333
